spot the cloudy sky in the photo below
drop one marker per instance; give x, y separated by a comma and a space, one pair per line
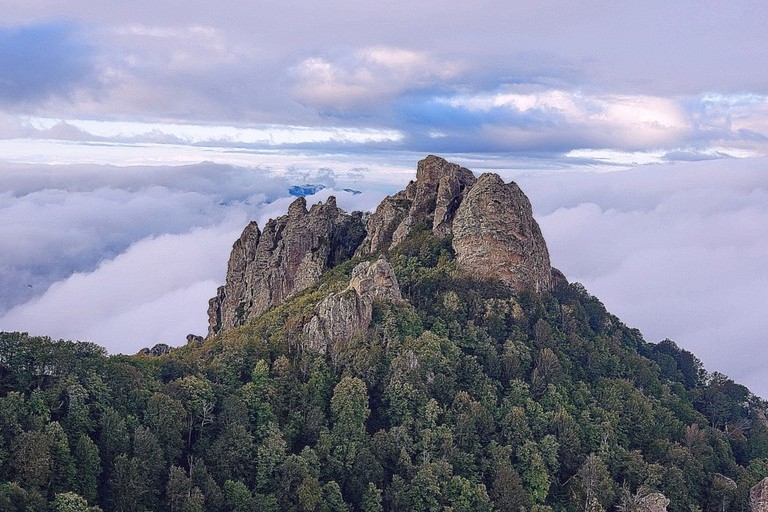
137, 139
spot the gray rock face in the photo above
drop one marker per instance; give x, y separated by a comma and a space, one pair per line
654, 502
341, 316
495, 235
429, 202
758, 496
491, 223
156, 351
289, 255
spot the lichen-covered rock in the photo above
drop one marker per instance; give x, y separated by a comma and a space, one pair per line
758, 496
559, 281
375, 280
158, 350
383, 222
223, 309
341, 316
653, 502
289, 255
495, 235
194, 339
429, 202
491, 223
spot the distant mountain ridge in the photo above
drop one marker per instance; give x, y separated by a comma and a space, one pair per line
309, 189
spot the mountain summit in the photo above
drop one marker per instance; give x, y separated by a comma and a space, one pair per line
489, 223
424, 357
266, 267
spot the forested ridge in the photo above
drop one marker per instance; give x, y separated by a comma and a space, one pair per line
463, 397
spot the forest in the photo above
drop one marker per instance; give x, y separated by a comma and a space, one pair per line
464, 397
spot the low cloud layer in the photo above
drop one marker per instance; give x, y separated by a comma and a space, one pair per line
677, 251
152, 292
57, 220
128, 257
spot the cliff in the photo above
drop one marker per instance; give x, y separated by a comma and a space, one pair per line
490, 224
495, 235
290, 254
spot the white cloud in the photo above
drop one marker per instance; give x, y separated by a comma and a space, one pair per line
128, 257
156, 291
370, 75
678, 251
56, 220
627, 121
744, 115
268, 135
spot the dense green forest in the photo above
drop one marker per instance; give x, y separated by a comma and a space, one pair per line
464, 398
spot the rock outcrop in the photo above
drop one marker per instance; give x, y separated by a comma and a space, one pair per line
341, 316
429, 202
289, 255
495, 235
491, 223
653, 502
158, 350
758, 496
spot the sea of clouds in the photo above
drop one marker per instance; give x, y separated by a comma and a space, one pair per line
129, 256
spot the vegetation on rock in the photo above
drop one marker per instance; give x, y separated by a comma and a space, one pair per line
464, 395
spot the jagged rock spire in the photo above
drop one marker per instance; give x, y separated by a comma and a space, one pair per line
430, 202
489, 222
495, 235
289, 255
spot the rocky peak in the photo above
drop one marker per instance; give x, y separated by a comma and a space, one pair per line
490, 222
435, 195
341, 316
289, 255
429, 202
653, 502
158, 350
298, 208
758, 496
495, 235
373, 280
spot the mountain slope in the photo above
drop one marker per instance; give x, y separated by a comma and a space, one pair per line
408, 373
